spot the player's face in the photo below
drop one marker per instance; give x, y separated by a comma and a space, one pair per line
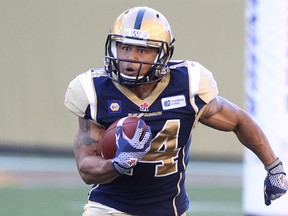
135, 53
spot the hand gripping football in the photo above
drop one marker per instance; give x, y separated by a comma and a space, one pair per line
108, 141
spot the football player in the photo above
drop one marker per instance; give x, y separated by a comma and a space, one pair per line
139, 79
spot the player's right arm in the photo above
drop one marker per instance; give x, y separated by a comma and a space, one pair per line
92, 167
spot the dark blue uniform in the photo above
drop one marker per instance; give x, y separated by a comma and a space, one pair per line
155, 186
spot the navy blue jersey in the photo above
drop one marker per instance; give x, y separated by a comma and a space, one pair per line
155, 186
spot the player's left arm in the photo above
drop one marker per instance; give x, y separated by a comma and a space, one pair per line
226, 116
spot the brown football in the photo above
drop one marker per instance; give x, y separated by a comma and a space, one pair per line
108, 141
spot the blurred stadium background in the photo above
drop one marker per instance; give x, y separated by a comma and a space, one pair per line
45, 44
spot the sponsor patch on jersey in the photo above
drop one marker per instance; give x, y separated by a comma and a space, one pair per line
173, 102
114, 106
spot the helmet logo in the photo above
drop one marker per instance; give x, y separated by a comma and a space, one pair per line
136, 33
143, 27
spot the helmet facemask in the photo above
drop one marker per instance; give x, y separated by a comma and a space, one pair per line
150, 30
158, 68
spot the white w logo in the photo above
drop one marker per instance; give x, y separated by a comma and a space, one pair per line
136, 33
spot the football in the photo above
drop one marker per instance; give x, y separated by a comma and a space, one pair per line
108, 141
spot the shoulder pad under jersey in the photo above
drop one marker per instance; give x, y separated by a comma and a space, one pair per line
81, 92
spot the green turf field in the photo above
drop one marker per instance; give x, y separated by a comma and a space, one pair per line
205, 201
46, 192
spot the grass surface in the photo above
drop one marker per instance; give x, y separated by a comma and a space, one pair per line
42, 201
216, 201
29, 201
41, 186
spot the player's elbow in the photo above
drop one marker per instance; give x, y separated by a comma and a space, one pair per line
90, 179
85, 172
87, 179
97, 174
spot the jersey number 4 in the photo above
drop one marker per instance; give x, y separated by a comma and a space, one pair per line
164, 151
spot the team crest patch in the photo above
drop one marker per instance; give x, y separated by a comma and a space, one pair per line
114, 106
173, 102
144, 107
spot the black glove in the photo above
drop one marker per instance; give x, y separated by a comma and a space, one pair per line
275, 183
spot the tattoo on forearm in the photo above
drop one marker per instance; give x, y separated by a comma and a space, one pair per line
84, 125
84, 139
